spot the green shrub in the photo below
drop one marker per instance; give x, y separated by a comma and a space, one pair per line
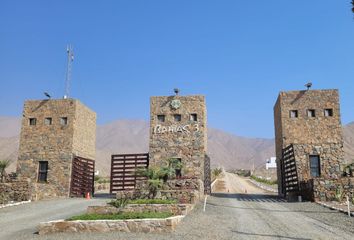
152, 201
174, 164
242, 172
121, 216
216, 172
3, 199
265, 181
158, 175
100, 179
103, 180
155, 177
3, 165
119, 203
349, 170
339, 195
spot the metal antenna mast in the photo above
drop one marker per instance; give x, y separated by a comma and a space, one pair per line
70, 52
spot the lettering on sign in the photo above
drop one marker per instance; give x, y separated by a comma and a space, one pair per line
159, 129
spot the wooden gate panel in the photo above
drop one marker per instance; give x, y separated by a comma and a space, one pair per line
289, 171
82, 177
207, 175
123, 170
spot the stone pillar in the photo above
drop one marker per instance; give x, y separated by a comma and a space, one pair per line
310, 120
53, 131
178, 130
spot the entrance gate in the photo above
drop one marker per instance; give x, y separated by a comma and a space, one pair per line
123, 170
82, 177
289, 179
207, 178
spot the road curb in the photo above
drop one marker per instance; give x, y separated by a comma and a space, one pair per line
14, 204
334, 208
257, 184
213, 183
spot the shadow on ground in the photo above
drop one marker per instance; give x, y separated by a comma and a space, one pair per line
269, 235
259, 198
245, 197
104, 195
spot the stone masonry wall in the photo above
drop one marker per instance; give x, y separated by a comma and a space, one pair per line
103, 226
175, 209
320, 135
55, 143
84, 138
326, 189
185, 139
331, 156
304, 129
278, 141
186, 191
14, 191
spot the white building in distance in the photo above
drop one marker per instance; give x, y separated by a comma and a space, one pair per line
271, 163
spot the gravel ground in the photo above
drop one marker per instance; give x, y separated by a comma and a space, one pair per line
246, 217
337, 220
20, 222
232, 215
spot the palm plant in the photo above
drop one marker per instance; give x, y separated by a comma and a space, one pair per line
3, 165
217, 172
175, 165
119, 203
155, 177
154, 186
339, 194
158, 175
349, 170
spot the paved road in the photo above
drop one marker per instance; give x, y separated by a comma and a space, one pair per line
230, 214
20, 222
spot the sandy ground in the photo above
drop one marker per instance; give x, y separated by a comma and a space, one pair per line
237, 184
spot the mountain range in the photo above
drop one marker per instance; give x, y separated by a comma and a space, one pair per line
132, 136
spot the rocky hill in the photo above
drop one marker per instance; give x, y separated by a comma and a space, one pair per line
349, 142
131, 136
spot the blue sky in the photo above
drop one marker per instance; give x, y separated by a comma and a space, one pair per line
238, 53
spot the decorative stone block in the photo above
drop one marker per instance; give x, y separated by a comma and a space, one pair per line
175, 209
16, 191
326, 190
102, 226
186, 191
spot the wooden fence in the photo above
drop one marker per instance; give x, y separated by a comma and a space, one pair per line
123, 170
82, 177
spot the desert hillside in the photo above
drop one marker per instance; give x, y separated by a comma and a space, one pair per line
131, 136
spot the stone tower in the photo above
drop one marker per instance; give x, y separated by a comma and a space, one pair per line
178, 130
310, 121
53, 132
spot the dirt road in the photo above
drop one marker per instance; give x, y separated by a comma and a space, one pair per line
236, 184
263, 215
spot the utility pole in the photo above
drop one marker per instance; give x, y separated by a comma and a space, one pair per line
70, 53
